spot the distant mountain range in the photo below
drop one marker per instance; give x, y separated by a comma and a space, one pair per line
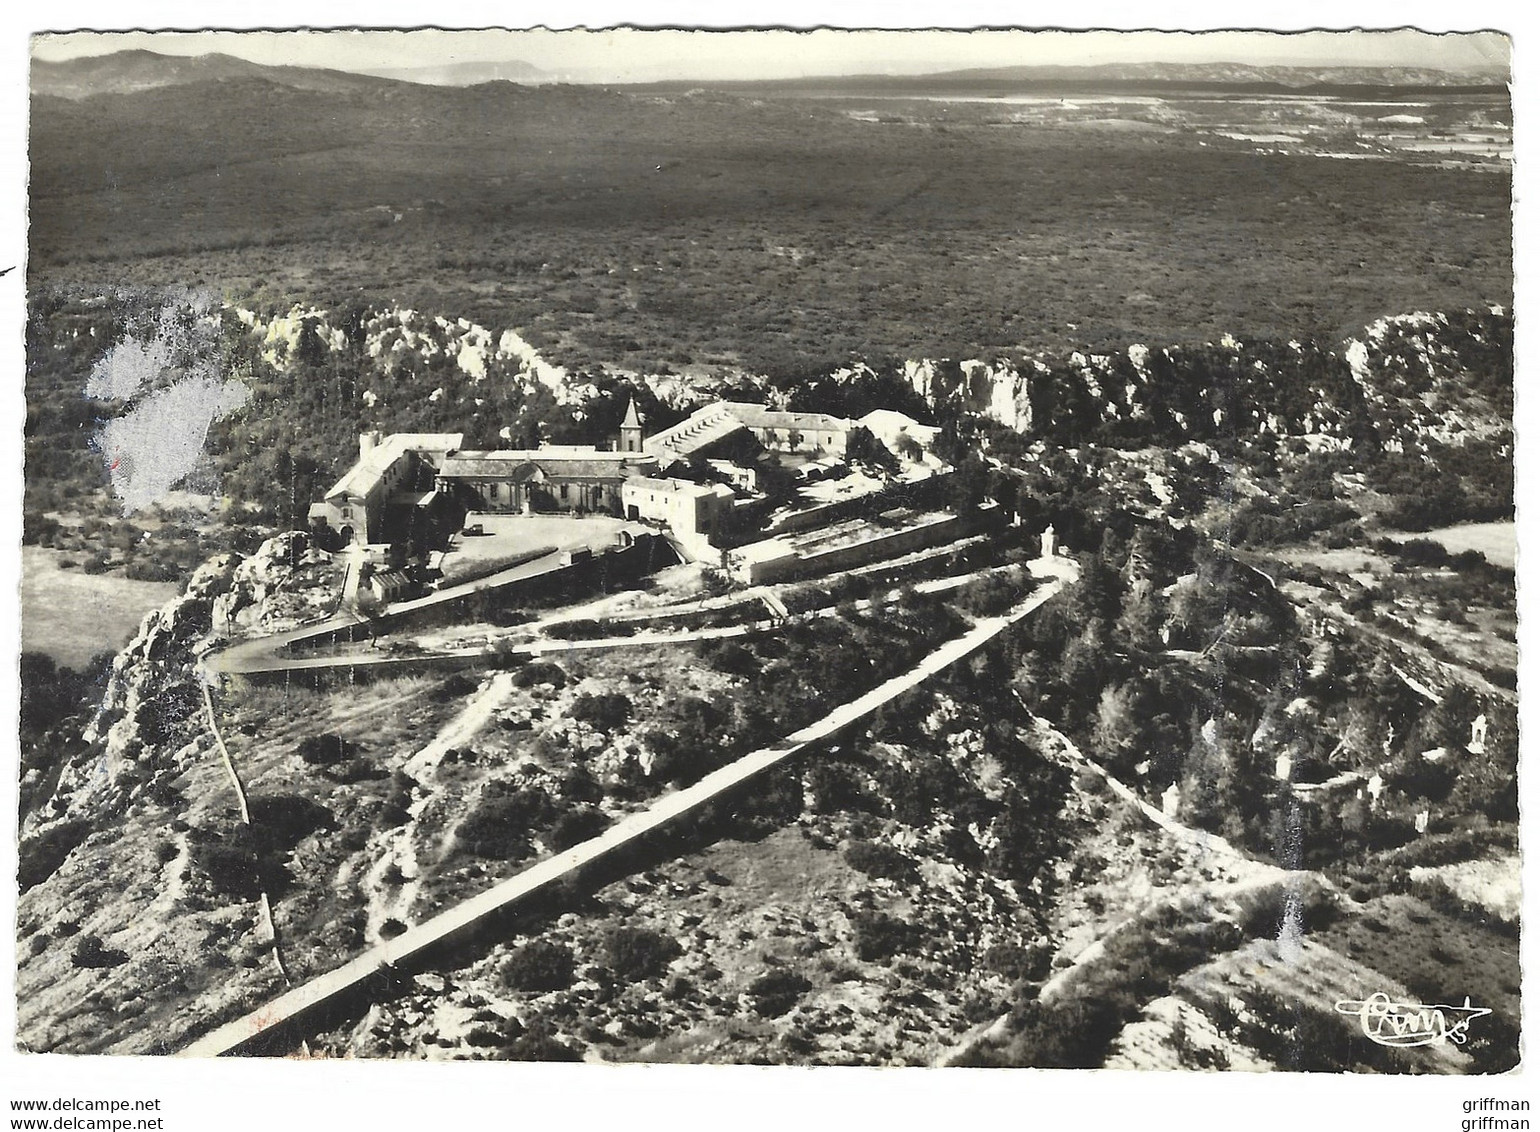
469, 73
128, 71
125, 72
1116, 77
1236, 73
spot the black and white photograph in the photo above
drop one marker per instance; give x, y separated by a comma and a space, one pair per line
758, 547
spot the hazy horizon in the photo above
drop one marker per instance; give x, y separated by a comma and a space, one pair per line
633, 55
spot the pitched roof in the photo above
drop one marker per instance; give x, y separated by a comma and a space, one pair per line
568, 463
371, 467
721, 419
427, 441
700, 429
678, 487
633, 419
890, 422
761, 416
484, 465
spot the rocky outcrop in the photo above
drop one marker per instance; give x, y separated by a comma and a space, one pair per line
146, 714
149, 720
1406, 379
1409, 379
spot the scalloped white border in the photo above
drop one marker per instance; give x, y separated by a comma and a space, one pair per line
266, 1095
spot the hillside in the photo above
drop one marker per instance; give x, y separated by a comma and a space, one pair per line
128, 72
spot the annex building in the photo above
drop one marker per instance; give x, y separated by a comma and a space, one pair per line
776, 430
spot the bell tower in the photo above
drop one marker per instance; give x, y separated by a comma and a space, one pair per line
631, 429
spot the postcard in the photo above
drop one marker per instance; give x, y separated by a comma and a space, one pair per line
763, 547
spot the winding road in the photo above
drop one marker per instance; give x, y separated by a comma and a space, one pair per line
269, 654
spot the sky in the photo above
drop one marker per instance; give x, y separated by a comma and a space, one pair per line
633, 55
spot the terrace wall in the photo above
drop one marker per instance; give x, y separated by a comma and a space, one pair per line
933, 532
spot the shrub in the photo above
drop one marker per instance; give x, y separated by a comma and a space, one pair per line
396, 808
540, 672
605, 711
354, 770
454, 687
878, 860
880, 936
538, 1044
993, 594
576, 826
281, 821
731, 657
233, 868
1074, 1033
499, 826
42, 854
153, 571
835, 786
639, 953
586, 629
775, 992
539, 965
90, 953
1016, 963
579, 785
325, 749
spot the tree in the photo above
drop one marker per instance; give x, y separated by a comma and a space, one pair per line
1139, 625
1118, 721
909, 448
1099, 593
968, 485
1207, 786
861, 447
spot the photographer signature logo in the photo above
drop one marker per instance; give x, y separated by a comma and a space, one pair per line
1407, 1024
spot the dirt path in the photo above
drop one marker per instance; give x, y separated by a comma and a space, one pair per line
394, 901
1256, 874
452, 923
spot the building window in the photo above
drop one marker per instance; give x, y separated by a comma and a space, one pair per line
564, 493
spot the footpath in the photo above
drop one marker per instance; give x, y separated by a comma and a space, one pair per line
283, 1018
